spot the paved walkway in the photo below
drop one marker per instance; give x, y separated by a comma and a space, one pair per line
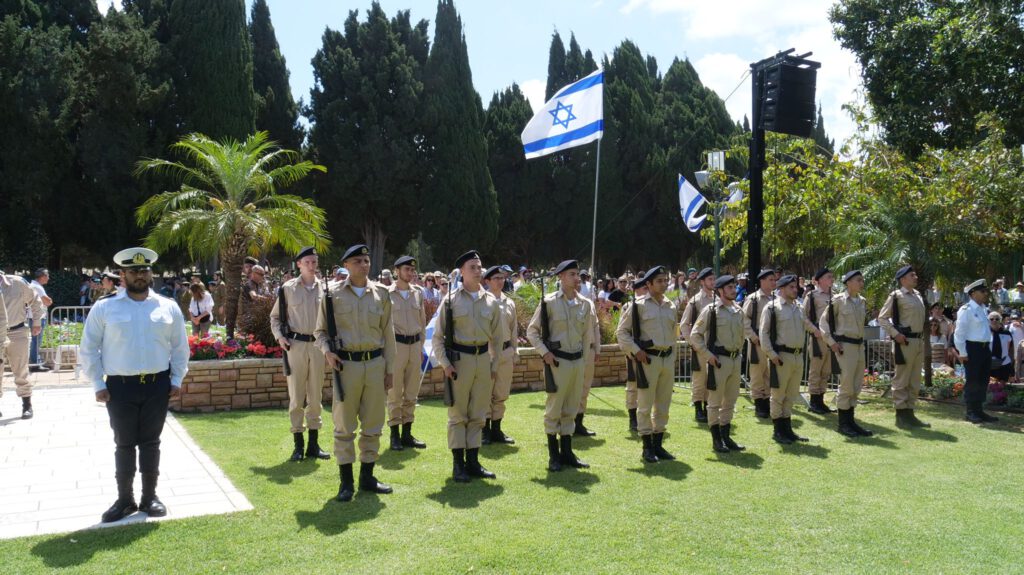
57, 469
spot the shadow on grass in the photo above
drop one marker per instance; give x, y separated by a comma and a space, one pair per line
465, 495
586, 443
801, 449
744, 459
71, 549
571, 480
287, 471
930, 434
674, 470
336, 517
390, 459
498, 450
606, 412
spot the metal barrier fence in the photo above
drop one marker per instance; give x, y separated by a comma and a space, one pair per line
69, 314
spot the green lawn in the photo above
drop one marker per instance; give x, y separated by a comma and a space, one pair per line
945, 500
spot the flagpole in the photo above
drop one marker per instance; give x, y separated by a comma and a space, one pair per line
593, 235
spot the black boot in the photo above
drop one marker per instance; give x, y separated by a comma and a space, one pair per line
554, 459
486, 438
150, 504
856, 426
700, 411
125, 504
347, 488
906, 418
648, 452
367, 482
568, 457
297, 453
396, 438
313, 446
459, 466
817, 404
726, 430
659, 450
473, 467
846, 423
408, 440
632, 420
581, 430
498, 436
26, 408
763, 408
790, 433
716, 439
780, 435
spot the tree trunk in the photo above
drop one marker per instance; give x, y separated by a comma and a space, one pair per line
374, 236
233, 256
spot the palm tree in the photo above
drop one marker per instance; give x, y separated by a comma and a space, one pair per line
228, 205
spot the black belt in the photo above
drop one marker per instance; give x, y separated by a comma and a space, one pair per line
407, 339
507, 344
142, 378
844, 339
470, 349
658, 353
566, 355
360, 355
300, 337
909, 334
719, 350
14, 327
785, 349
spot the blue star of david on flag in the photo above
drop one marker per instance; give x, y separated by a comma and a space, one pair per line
569, 116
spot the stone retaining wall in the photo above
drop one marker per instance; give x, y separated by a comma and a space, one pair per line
220, 385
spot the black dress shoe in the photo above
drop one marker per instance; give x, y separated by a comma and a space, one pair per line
119, 510
152, 506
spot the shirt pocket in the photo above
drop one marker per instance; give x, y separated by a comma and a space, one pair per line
119, 326
162, 322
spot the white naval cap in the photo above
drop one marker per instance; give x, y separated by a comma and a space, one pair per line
135, 258
980, 284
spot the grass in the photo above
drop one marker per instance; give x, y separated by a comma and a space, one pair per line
944, 500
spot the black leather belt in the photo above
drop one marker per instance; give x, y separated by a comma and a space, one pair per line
844, 339
658, 353
506, 345
142, 378
300, 337
785, 349
719, 350
360, 355
14, 327
566, 355
407, 339
913, 334
470, 349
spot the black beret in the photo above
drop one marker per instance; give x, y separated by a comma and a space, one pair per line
405, 261
850, 275
903, 271
705, 273
470, 255
786, 280
251, 260
765, 273
654, 272
566, 266
639, 283
356, 250
821, 272
306, 251
723, 281
491, 271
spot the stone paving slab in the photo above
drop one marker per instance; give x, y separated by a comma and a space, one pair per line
57, 469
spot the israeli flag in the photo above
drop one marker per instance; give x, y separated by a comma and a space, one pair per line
428, 359
690, 202
573, 117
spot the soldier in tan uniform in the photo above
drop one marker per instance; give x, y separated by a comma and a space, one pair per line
494, 279
699, 301
654, 349
906, 305
294, 332
571, 332
409, 314
843, 331
364, 351
720, 350
639, 291
786, 353
17, 296
473, 366
820, 369
753, 308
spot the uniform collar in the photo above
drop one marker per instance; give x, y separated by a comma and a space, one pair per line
907, 291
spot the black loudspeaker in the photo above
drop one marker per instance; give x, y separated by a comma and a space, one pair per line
787, 102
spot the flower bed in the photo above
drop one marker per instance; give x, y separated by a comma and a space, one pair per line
218, 347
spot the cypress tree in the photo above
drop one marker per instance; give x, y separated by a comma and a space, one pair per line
277, 112
821, 139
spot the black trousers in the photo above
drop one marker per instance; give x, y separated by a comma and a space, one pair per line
977, 372
137, 412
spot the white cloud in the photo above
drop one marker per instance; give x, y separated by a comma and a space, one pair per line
754, 19
106, 5
722, 73
534, 92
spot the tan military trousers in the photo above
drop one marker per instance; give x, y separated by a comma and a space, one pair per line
631, 402
759, 375
699, 379
17, 360
588, 379
654, 402
722, 399
851, 378
503, 385
363, 409
907, 381
472, 390
785, 395
819, 371
560, 408
305, 384
407, 381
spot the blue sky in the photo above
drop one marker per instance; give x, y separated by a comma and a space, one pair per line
509, 40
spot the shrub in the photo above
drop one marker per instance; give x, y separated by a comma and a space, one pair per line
255, 322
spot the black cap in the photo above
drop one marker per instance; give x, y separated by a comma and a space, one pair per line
566, 266
356, 250
470, 255
723, 281
765, 273
654, 272
786, 280
850, 275
639, 283
405, 261
306, 251
704, 273
903, 271
491, 271
251, 260
818, 274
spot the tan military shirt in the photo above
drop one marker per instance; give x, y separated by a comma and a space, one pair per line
820, 299
363, 322
303, 307
477, 321
790, 322
570, 324
657, 323
3, 324
849, 313
509, 323
408, 314
756, 301
17, 295
912, 311
729, 324
693, 307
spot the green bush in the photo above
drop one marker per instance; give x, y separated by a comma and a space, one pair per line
69, 333
63, 287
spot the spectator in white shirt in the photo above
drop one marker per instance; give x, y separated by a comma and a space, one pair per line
200, 309
42, 277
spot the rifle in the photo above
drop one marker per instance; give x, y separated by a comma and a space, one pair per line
754, 359
773, 332
832, 325
282, 312
897, 348
545, 336
449, 341
692, 306
332, 341
815, 346
712, 383
641, 377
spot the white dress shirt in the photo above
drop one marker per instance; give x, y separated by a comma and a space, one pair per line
971, 325
127, 337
